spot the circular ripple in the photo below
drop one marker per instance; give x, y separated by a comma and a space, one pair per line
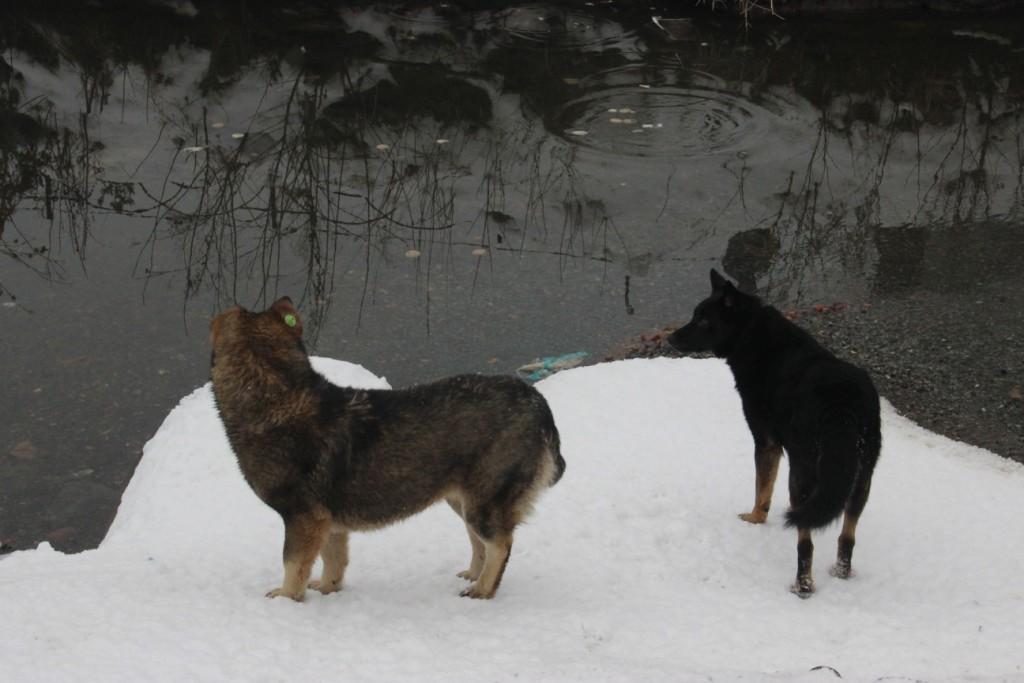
645, 112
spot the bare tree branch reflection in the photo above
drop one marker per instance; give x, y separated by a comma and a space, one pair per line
51, 168
440, 146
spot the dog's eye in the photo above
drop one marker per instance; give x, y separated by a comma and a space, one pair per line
703, 323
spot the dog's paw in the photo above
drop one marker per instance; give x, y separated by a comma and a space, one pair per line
282, 593
841, 570
476, 593
803, 589
325, 587
468, 575
753, 517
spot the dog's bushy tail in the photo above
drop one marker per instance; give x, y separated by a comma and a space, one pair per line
554, 448
842, 447
553, 445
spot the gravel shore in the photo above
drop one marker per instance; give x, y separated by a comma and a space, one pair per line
951, 361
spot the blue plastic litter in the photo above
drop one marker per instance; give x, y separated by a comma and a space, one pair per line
544, 367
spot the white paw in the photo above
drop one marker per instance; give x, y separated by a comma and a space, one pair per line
281, 592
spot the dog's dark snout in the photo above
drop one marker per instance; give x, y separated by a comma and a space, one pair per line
677, 340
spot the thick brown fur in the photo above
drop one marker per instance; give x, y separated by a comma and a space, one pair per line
332, 459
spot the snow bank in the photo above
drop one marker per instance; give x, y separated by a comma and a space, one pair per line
634, 567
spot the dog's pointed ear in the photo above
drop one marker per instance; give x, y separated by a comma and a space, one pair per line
286, 311
727, 289
729, 293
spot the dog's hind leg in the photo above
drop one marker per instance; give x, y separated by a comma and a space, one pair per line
766, 464
335, 557
798, 493
476, 560
492, 524
496, 553
804, 585
847, 537
304, 535
492, 518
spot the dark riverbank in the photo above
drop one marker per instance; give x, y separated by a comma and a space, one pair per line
945, 345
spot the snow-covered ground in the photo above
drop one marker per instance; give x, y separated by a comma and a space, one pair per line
633, 568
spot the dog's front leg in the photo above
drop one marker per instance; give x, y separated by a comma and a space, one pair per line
304, 534
766, 465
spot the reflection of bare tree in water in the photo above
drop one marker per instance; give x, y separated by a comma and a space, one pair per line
1017, 207
300, 188
247, 208
539, 176
959, 170
961, 190
329, 179
322, 182
55, 170
51, 167
19, 174
811, 220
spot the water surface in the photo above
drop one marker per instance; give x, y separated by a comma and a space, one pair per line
449, 188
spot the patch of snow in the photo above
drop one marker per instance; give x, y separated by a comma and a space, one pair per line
633, 567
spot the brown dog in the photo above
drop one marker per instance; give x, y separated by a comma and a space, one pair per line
332, 459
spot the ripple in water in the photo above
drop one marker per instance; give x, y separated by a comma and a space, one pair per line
660, 112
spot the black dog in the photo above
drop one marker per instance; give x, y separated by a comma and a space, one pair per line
799, 397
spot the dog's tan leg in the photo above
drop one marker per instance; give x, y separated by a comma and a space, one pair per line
844, 554
848, 536
496, 552
476, 562
335, 557
304, 534
766, 464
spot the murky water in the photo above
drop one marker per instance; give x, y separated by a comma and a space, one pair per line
446, 189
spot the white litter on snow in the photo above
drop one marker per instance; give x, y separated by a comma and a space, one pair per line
633, 568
